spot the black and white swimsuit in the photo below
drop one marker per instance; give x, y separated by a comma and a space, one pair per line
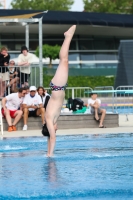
56, 88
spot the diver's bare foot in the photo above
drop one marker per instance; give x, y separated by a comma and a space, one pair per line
70, 31
49, 155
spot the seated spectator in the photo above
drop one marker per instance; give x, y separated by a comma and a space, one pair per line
27, 89
4, 75
44, 96
11, 108
13, 75
32, 106
95, 104
24, 61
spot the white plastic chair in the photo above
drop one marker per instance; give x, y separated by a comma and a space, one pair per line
1, 120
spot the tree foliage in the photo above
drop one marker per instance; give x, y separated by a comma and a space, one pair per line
109, 6
48, 51
63, 5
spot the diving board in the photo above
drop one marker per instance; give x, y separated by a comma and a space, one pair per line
110, 91
129, 92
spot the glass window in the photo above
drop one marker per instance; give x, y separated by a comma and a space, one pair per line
72, 45
59, 42
9, 45
53, 37
7, 36
34, 36
14, 55
99, 65
19, 45
74, 65
73, 57
33, 45
106, 65
85, 44
103, 44
87, 56
54, 66
88, 65
20, 36
105, 56
53, 42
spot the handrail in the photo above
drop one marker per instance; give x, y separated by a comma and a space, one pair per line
110, 91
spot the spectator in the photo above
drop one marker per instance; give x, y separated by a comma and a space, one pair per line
44, 96
24, 61
95, 104
27, 89
32, 106
11, 108
4, 75
13, 75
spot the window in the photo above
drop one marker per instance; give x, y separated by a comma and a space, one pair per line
105, 56
87, 56
85, 44
73, 57
103, 43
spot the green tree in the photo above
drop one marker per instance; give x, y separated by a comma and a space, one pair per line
48, 51
109, 6
64, 5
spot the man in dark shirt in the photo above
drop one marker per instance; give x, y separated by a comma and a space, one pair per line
4, 75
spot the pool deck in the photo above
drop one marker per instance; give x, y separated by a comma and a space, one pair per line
124, 127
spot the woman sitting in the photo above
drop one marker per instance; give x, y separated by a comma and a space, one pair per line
44, 96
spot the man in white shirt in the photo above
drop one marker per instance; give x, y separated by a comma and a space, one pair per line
95, 104
24, 61
10, 108
32, 106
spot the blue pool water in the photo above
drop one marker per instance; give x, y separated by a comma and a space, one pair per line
85, 167
120, 110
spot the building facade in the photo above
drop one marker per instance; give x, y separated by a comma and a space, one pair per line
95, 43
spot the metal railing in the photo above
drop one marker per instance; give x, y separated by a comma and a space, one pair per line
118, 101
34, 79
124, 100
75, 92
5, 78
107, 99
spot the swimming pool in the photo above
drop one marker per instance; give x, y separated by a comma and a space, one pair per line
85, 167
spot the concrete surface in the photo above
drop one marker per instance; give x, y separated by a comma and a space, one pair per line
124, 127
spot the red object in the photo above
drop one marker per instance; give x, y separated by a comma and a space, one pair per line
12, 112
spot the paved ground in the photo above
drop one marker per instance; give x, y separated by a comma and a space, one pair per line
126, 121
125, 127
70, 132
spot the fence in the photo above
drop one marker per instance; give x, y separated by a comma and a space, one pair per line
12, 78
117, 101
33, 79
107, 98
75, 92
124, 100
